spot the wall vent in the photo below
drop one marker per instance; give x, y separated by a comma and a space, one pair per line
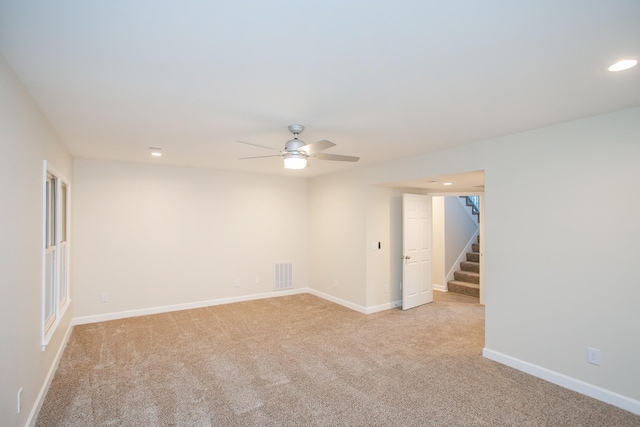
282, 276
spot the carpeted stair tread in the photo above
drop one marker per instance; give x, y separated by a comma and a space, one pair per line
470, 266
465, 288
467, 276
467, 279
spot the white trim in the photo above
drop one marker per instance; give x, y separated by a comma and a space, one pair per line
454, 193
441, 288
565, 381
67, 243
209, 303
356, 307
37, 405
382, 307
54, 326
185, 306
339, 301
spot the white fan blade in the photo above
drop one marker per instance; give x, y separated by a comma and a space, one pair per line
258, 145
316, 147
337, 157
260, 157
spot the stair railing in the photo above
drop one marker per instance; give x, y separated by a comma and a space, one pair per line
474, 202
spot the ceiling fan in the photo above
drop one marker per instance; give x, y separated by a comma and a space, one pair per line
297, 152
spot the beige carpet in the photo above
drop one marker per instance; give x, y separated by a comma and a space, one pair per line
300, 360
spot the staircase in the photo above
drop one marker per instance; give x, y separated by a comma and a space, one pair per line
467, 279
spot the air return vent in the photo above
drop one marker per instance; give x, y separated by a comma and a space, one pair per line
282, 276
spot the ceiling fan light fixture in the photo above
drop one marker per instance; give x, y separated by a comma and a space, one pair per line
295, 161
296, 151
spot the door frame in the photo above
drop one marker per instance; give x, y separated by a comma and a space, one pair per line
481, 230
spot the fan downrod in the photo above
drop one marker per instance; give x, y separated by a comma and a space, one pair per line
294, 144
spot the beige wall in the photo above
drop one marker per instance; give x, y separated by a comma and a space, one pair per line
384, 225
337, 258
26, 140
153, 236
561, 230
570, 190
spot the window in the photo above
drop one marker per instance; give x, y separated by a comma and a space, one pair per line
56, 252
50, 253
63, 288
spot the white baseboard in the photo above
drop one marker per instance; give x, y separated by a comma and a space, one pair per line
356, 307
337, 300
442, 288
199, 304
37, 405
565, 381
185, 306
382, 307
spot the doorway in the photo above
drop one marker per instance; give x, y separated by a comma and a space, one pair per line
456, 243
462, 184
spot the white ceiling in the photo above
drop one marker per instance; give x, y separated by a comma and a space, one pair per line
466, 182
381, 79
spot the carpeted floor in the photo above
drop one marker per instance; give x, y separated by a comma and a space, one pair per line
298, 361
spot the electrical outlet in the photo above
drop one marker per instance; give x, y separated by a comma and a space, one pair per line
335, 283
104, 297
237, 283
593, 356
257, 280
19, 401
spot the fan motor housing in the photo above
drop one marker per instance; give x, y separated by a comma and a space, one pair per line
294, 144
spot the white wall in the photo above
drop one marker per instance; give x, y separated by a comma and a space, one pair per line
337, 250
347, 220
153, 236
26, 139
378, 247
571, 189
383, 266
438, 271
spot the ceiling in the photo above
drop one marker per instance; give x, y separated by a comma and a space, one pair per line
466, 182
383, 80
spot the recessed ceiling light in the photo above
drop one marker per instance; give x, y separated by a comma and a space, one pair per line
625, 64
447, 183
155, 151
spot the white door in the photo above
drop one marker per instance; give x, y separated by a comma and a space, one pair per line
416, 246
